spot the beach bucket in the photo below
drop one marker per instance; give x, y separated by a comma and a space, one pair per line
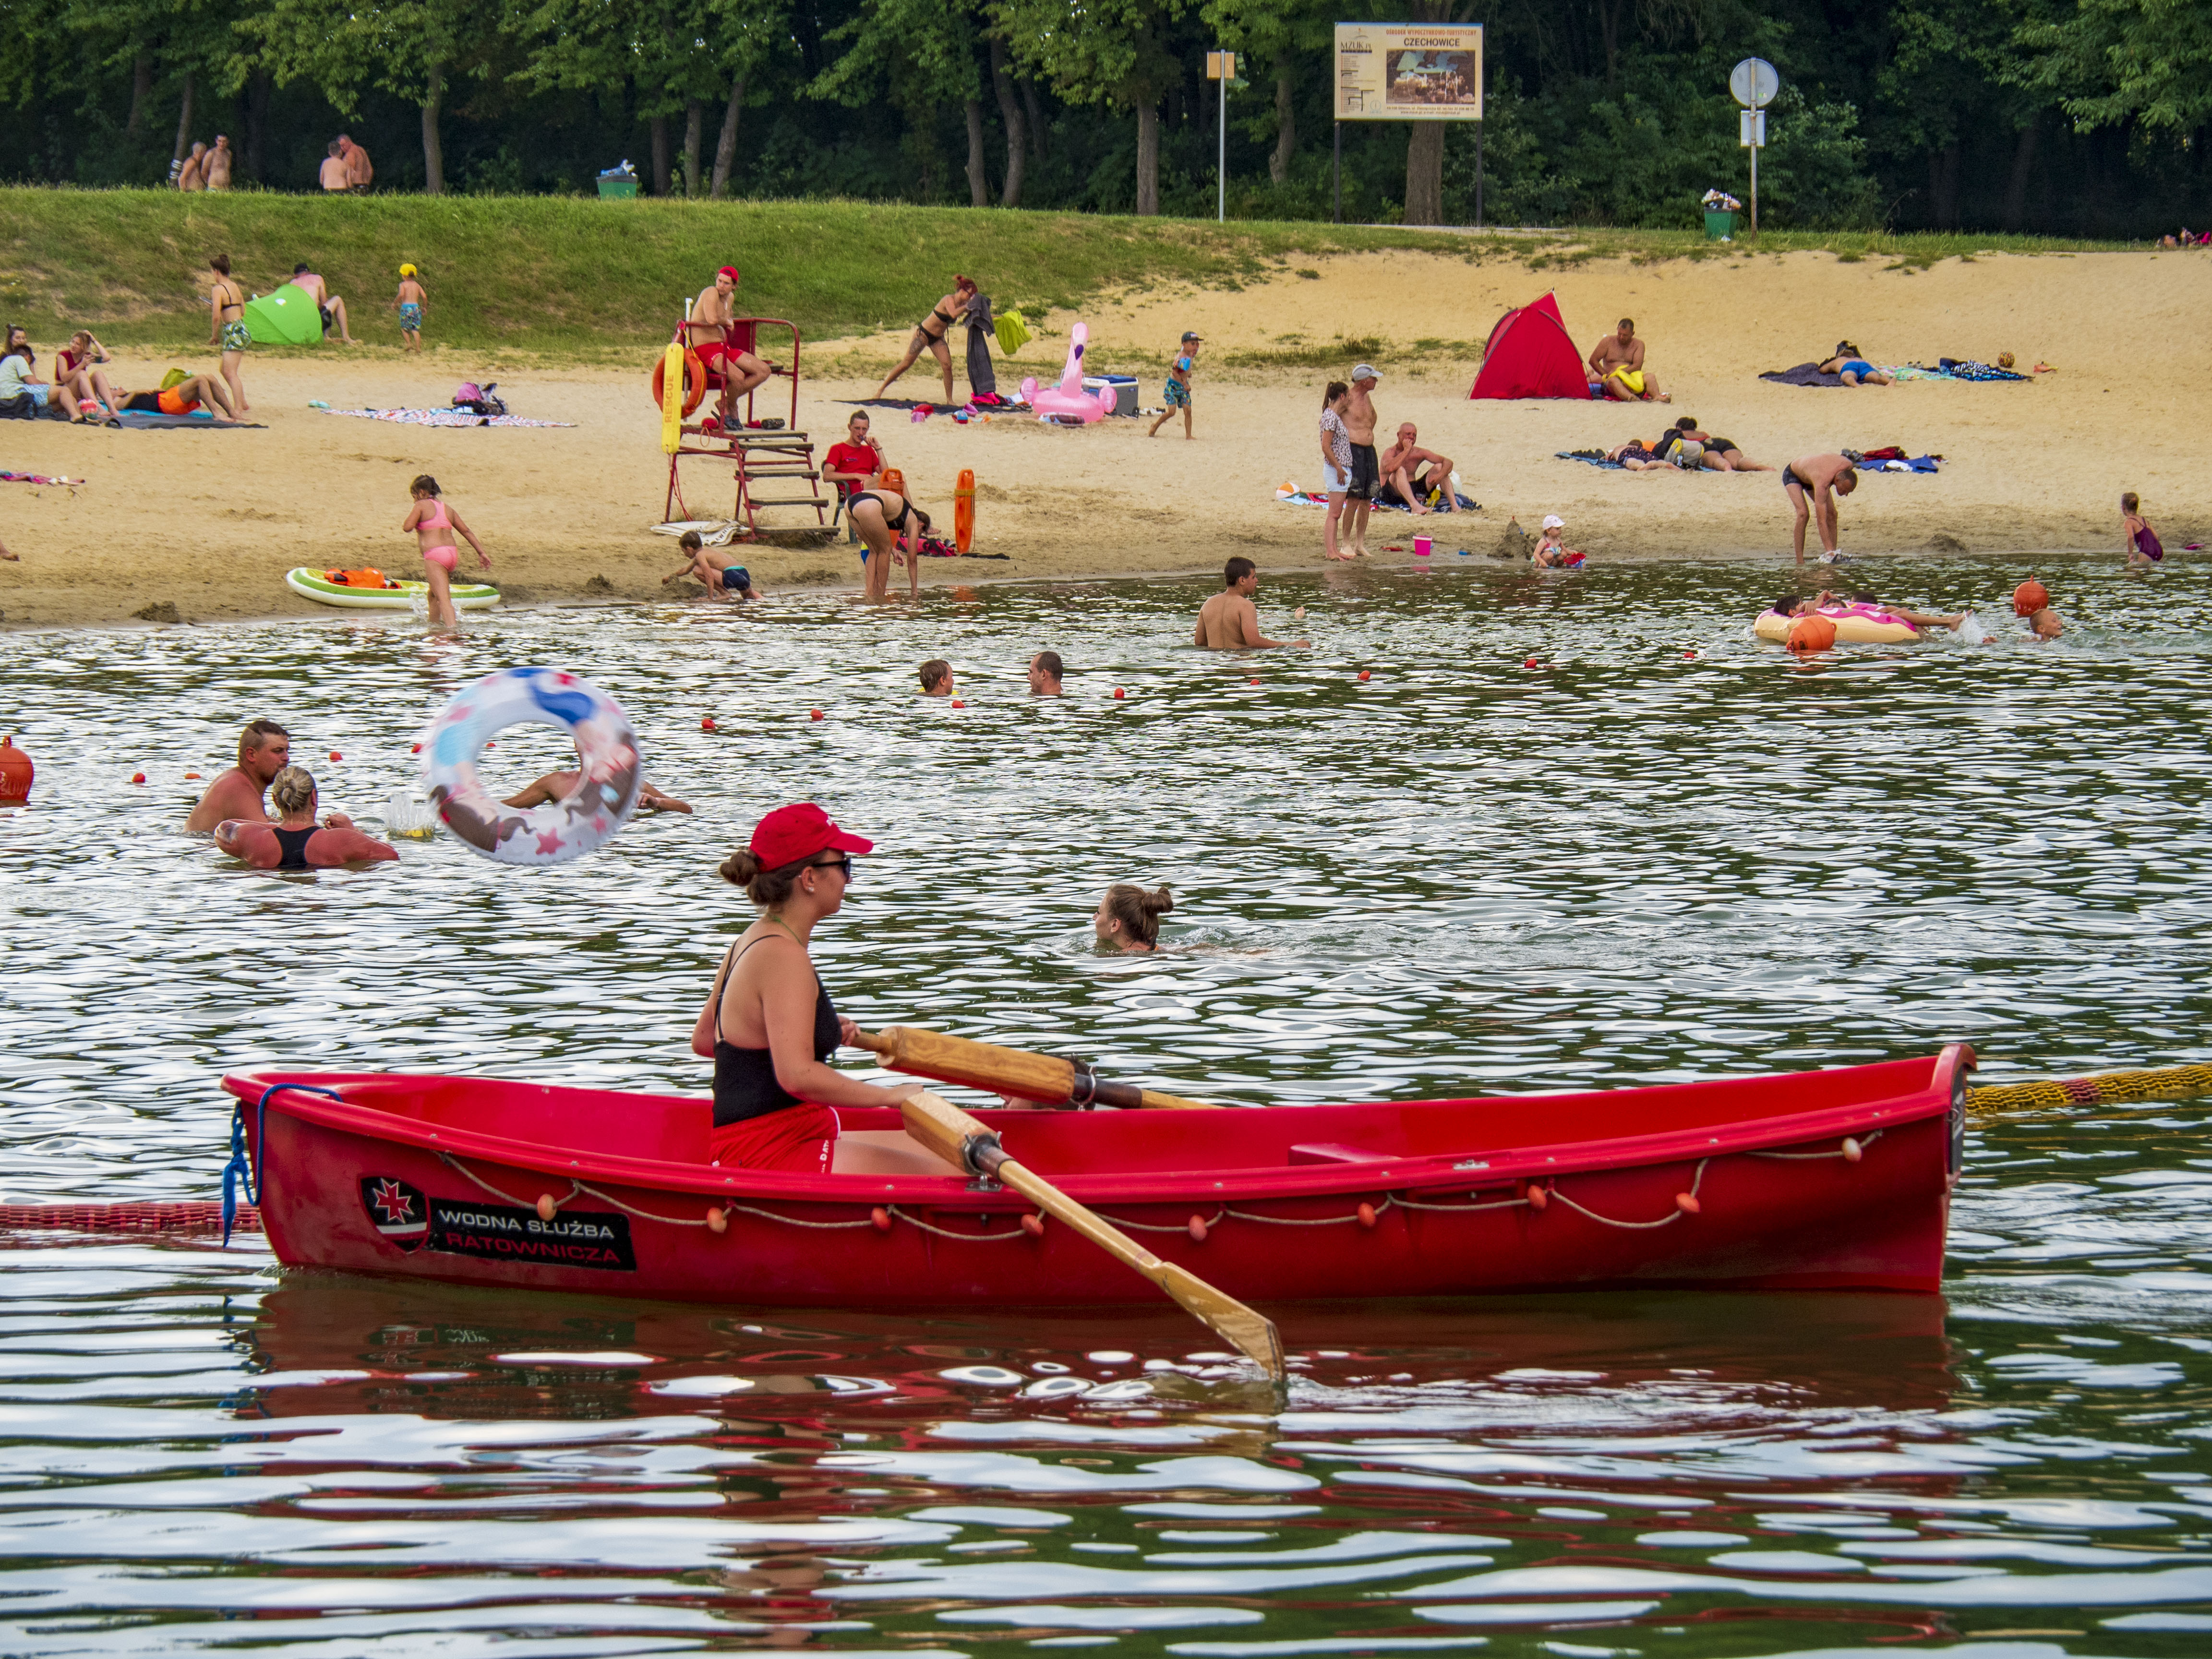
1422, 545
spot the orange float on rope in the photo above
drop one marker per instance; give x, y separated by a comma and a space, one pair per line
1814, 633
16, 772
694, 380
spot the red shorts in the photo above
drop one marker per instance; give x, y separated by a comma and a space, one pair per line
711, 356
799, 1139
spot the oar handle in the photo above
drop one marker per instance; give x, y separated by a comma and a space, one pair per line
1050, 1080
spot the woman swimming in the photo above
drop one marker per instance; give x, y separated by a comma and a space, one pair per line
769, 1026
434, 523
296, 840
882, 517
946, 313
1128, 917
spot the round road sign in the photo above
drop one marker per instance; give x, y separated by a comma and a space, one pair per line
1754, 82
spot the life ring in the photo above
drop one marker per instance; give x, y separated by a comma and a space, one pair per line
1855, 624
610, 779
695, 379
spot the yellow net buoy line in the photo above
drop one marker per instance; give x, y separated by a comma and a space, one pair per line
2103, 1089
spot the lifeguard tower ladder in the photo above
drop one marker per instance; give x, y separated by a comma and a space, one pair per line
770, 454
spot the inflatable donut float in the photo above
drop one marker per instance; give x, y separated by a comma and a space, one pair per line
1855, 624
609, 777
694, 380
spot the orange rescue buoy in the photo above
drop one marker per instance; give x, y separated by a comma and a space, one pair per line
694, 380
16, 772
964, 511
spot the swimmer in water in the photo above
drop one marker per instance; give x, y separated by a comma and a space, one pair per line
559, 786
1128, 917
2032, 599
1229, 621
1046, 671
434, 523
936, 677
264, 749
295, 841
720, 573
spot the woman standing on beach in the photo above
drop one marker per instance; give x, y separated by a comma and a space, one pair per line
1335, 463
434, 523
227, 303
929, 335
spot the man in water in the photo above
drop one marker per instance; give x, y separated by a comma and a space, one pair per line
331, 307
1415, 473
295, 841
1360, 422
707, 332
1617, 364
1044, 674
1813, 484
558, 786
264, 749
1229, 621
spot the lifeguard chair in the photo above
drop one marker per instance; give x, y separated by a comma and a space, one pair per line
765, 452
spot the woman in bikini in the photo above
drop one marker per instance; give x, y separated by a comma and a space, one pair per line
769, 1026
882, 517
226, 304
434, 523
295, 841
929, 335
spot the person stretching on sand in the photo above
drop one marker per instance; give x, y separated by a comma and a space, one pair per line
882, 517
720, 573
295, 841
929, 335
1813, 484
2143, 546
264, 749
434, 523
706, 331
226, 328
1360, 420
936, 677
1178, 389
409, 302
1229, 621
1128, 917
331, 307
559, 786
1413, 474
1617, 364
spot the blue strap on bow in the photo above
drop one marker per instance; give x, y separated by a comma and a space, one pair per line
239, 1172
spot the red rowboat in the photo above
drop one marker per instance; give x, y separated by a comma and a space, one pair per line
1837, 1179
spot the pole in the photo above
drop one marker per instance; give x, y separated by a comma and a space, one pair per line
1754, 180
1478, 175
1221, 166
1336, 176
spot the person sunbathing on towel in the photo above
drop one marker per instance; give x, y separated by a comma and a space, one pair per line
1413, 473
1854, 368
1721, 455
180, 398
706, 331
721, 572
1617, 364
559, 786
1638, 456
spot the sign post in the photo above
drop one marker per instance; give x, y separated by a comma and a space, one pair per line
1409, 72
1222, 66
1755, 83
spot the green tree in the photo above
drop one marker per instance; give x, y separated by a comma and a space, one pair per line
1103, 51
921, 54
1286, 35
659, 48
2111, 61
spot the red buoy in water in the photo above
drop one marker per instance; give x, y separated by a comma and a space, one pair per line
814, 713
137, 777
16, 772
1117, 693
707, 724
1362, 673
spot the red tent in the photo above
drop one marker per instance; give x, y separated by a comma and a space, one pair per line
1529, 355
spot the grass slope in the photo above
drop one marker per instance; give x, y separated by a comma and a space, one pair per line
582, 278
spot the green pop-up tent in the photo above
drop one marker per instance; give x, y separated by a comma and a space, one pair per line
288, 317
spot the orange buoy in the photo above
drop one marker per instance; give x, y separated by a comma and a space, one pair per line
1362, 673
2030, 597
707, 724
718, 1220
547, 1209
956, 703
189, 777
1033, 1225
336, 755
894, 480
1366, 1215
882, 1217
1117, 693
137, 777
16, 772
964, 511
1814, 633
1537, 1197
814, 713
695, 379
1198, 1228
1687, 1203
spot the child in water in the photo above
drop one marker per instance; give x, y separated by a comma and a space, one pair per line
408, 303
434, 523
2032, 599
1178, 390
1550, 551
2144, 547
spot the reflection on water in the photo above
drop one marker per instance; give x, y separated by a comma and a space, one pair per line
1620, 865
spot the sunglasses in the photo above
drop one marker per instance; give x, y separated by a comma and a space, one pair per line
843, 867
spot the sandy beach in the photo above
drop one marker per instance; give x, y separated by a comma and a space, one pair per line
209, 521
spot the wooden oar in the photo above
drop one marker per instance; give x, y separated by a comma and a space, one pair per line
2101, 1088
1015, 1071
967, 1144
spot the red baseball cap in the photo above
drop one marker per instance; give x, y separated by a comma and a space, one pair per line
799, 831
730, 271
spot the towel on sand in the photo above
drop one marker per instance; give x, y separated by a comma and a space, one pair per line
1803, 374
132, 421
441, 417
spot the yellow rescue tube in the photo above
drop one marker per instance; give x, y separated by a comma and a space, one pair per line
1852, 627
671, 398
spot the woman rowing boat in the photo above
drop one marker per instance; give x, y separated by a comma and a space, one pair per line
769, 1026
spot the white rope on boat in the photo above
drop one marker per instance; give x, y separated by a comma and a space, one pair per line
1666, 1220
1843, 1152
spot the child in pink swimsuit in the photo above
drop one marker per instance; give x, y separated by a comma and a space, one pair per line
434, 523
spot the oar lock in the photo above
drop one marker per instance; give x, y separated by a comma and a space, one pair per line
982, 1155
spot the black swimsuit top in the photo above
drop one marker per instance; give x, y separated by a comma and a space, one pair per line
295, 843
744, 1078
905, 507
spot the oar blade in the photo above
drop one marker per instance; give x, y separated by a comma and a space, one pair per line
1250, 1333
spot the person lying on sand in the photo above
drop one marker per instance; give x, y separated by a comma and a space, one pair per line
180, 398
264, 749
1617, 364
559, 786
720, 573
1720, 454
1638, 456
1413, 474
1854, 368
1229, 621
295, 841
1813, 484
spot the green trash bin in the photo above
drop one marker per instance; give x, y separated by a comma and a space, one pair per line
614, 189
1720, 224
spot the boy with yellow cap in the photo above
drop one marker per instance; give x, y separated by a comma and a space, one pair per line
408, 303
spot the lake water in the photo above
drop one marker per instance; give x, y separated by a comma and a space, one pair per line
1543, 844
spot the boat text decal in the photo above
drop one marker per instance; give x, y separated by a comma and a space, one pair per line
499, 1233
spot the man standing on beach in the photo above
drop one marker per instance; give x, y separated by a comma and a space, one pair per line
1229, 621
264, 749
216, 165
1821, 478
707, 332
1617, 364
1359, 420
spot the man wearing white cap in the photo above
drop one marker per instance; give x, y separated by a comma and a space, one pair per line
1550, 551
1360, 421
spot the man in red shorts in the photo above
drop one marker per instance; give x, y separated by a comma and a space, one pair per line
708, 333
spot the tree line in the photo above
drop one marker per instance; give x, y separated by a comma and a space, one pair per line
2065, 117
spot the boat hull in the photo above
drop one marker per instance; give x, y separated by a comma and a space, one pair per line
423, 1178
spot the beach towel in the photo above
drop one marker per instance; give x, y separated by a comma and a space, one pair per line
1803, 374
1962, 369
1591, 458
132, 421
936, 547
713, 532
1013, 332
981, 377
440, 418
1901, 464
36, 478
